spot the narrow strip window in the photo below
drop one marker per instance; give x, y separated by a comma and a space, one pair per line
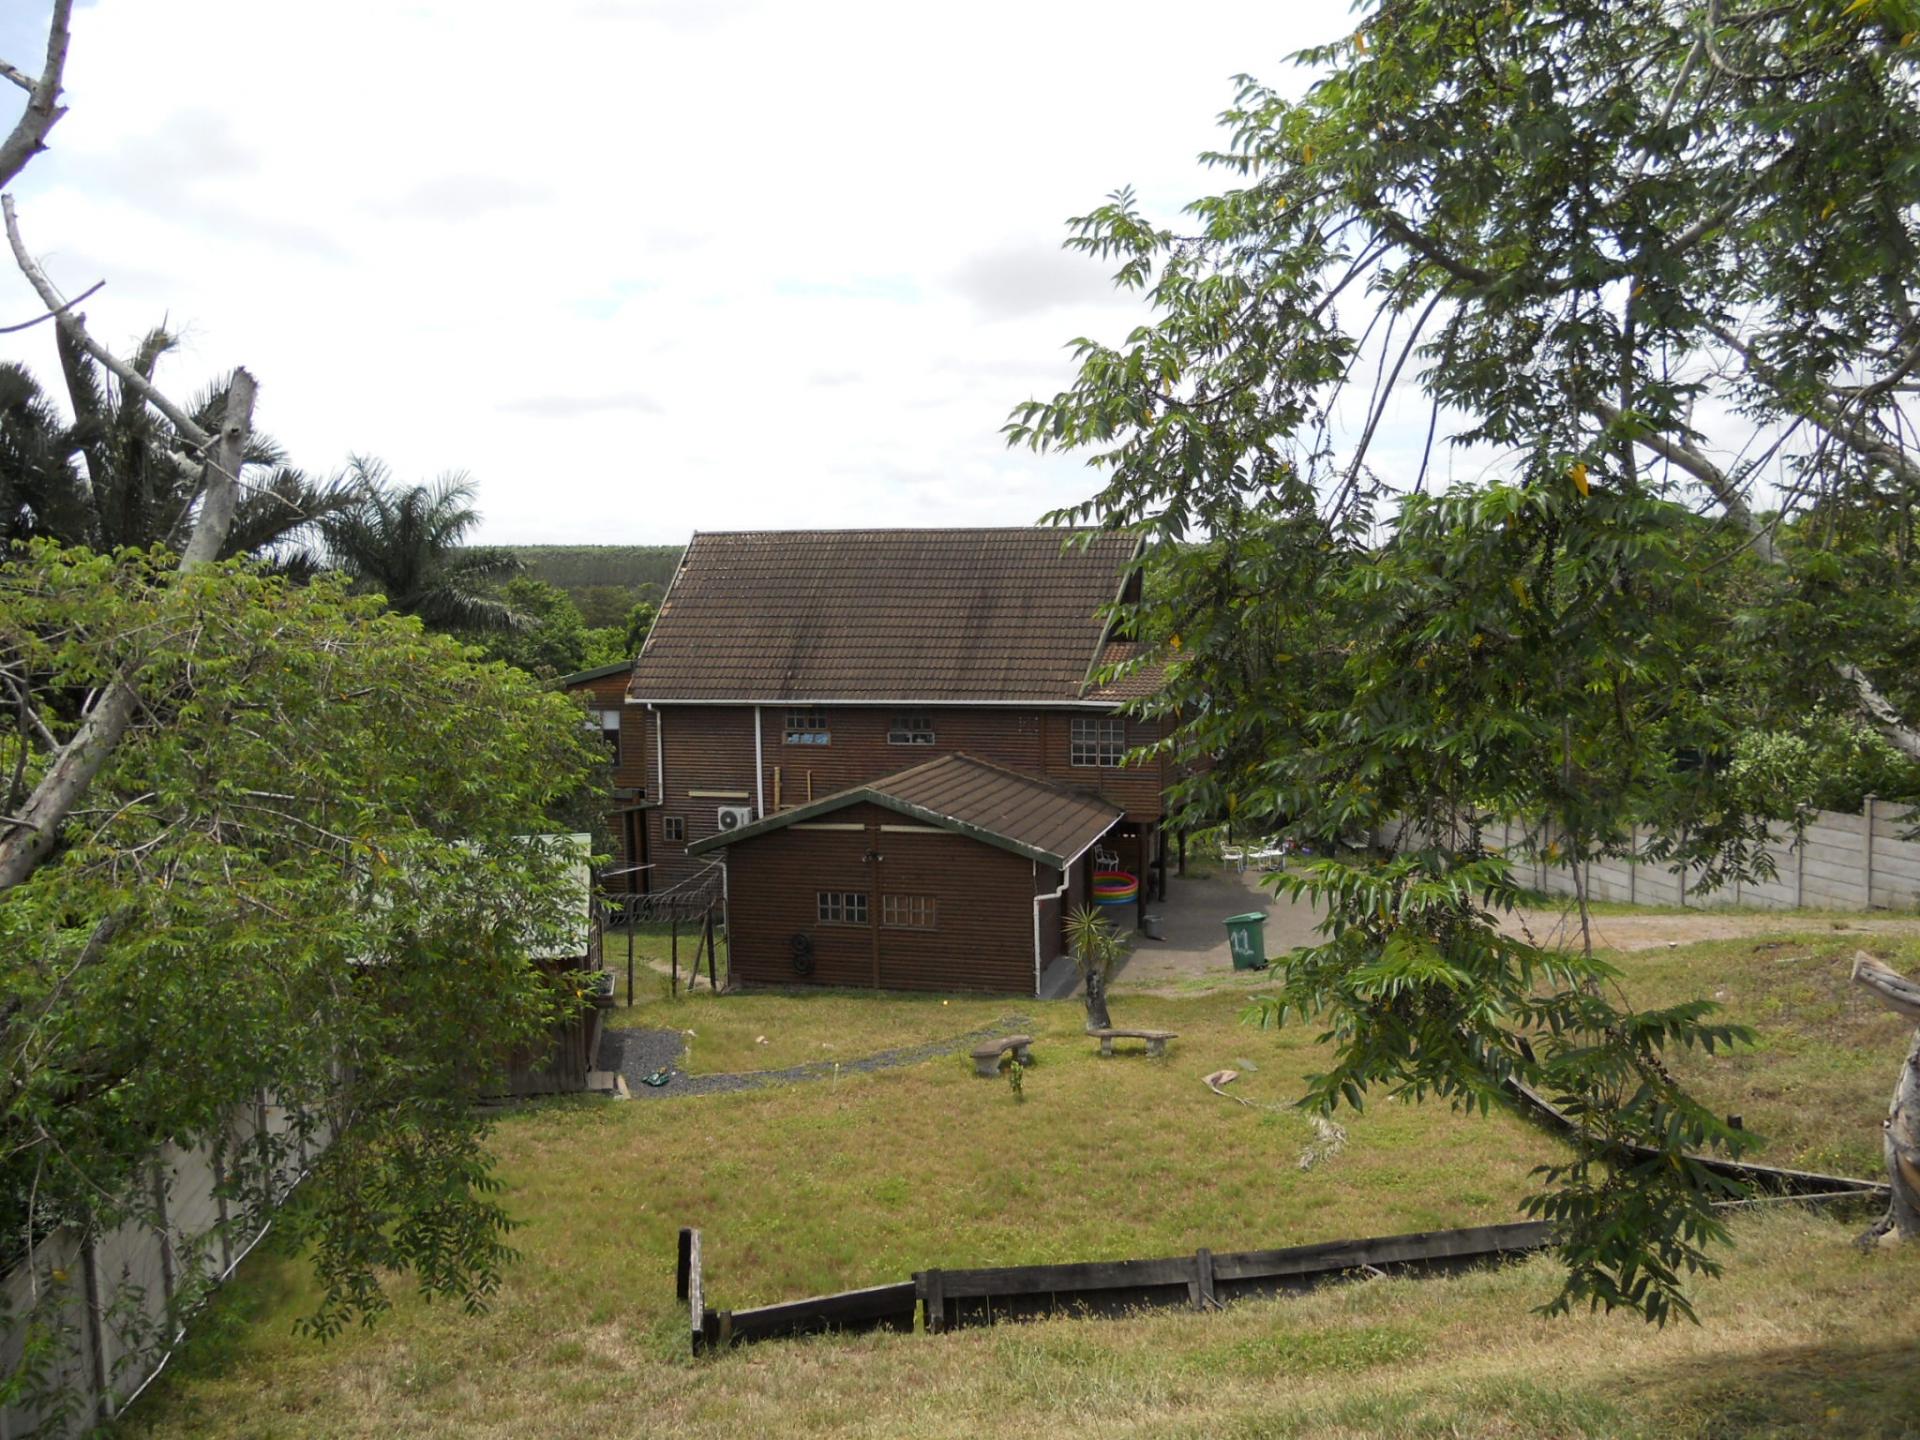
808, 727
911, 727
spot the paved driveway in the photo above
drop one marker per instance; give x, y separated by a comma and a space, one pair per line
1195, 947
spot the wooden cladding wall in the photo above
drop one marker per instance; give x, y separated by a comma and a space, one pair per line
1140, 790
858, 750
634, 769
1035, 742
982, 938
709, 763
709, 748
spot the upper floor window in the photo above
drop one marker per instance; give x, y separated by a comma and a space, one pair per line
1098, 740
673, 828
808, 726
910, 727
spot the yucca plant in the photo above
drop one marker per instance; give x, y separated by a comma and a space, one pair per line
1095, 945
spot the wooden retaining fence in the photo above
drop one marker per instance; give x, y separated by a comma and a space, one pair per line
954, 1299
944, 1300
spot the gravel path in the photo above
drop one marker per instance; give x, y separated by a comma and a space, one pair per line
636, 1054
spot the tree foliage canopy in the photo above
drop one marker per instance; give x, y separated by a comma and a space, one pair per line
305, 868
1653, 263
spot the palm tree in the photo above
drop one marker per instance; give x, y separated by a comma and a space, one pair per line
404, 541
117, 474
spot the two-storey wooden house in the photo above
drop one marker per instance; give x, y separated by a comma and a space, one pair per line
892, 747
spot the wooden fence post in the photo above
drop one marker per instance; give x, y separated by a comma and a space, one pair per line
1203, 1298
935, 1299
688, 1283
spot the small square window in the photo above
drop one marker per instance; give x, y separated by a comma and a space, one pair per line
674, 828
1098, 740
842, 907
808, 727
911, 727
908, 912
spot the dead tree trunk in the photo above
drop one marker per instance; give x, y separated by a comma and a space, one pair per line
1097, 1016
1901, 1132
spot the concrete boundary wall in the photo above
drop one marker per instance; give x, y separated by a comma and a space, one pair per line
1833, 862
119, 1298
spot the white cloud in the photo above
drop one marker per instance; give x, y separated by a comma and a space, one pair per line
773, 264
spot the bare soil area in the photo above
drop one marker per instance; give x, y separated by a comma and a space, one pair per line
1654, 930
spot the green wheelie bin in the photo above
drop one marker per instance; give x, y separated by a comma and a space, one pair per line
1247, 941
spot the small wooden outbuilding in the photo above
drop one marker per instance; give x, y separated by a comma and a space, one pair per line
950, 875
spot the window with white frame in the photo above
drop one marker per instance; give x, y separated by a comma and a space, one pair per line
1097, 740
674, 828
909, 912
808, 726
910, 727
842, 907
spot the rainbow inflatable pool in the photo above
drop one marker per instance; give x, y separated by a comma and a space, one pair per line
1115, 887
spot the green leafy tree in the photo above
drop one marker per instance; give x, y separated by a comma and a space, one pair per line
303, 867
639, 624
606, 645
1611, 244
405, 542
550, 641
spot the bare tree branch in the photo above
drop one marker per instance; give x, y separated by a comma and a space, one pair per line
52, 314
44, 109
1844, 429
74, 326
1873, 704
1888, 986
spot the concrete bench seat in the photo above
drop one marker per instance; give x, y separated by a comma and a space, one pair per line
1156, 1039
986, 1055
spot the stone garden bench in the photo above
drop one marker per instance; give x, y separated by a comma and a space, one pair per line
1156, 1039
986, 1055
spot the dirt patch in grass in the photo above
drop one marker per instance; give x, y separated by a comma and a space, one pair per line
1620, 928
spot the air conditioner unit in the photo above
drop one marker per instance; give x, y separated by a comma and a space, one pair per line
732, 817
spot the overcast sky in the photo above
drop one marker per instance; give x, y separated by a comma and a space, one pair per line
639, 266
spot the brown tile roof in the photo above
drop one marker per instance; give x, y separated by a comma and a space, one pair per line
874, 615
1131, 686
972, 797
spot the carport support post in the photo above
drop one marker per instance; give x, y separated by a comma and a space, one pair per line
713, 976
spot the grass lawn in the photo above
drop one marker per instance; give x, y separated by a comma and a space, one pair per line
840, 1183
